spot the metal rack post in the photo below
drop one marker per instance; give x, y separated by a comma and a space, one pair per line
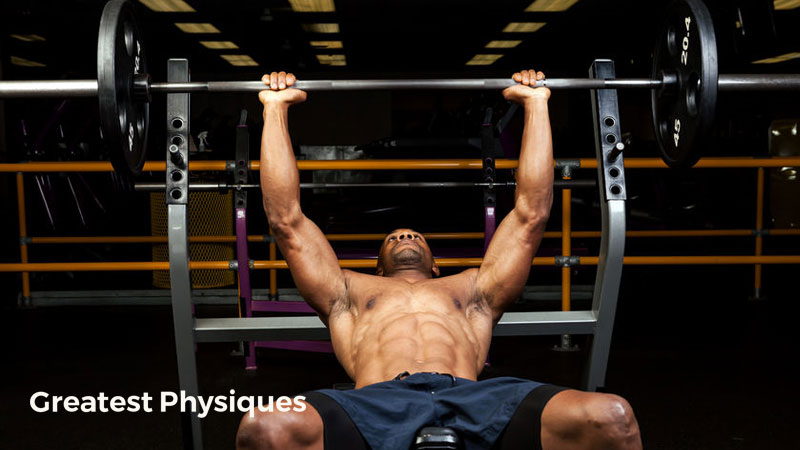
611, 184
177, 196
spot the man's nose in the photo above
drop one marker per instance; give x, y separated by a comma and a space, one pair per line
405, 236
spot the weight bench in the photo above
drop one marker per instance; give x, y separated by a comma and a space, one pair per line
437, 438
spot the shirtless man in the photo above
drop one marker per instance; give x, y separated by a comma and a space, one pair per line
415, 343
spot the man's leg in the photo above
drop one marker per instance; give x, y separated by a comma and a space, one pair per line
585, 420
281, 430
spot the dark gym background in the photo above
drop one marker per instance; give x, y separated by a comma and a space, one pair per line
704, 365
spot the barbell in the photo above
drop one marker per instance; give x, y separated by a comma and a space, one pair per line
684, 82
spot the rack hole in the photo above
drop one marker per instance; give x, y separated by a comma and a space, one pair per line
614, 172
611, 138
176, 175
177, 140
177, 123
176, 194
616, 190
609, 121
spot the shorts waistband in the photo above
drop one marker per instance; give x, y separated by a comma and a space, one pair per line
406, 374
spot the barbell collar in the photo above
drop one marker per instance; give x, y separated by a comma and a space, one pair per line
48, 89
759, 82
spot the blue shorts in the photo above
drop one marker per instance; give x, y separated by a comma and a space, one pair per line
388, 415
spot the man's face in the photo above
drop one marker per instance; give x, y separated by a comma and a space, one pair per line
405, 248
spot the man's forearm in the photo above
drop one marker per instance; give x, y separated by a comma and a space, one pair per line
279, 177
534, 194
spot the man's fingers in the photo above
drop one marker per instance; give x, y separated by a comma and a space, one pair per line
282, 80
278, 80
528, 77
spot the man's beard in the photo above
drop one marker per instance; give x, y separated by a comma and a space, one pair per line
406, 257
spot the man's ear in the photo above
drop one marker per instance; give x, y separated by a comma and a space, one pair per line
379, 270
435, 270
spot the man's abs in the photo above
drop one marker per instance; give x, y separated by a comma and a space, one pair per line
382, 346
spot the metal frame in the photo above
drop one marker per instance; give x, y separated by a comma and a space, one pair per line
241, 172
611, 178
311, 327
177, 198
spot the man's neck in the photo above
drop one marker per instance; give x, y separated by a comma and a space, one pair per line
412, 275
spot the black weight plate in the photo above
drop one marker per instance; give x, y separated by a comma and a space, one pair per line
683, 116
124, 119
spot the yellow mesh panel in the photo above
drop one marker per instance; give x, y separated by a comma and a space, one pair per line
210, 214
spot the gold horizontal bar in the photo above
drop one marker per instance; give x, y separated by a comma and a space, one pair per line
395, 164
379, 236
371, 263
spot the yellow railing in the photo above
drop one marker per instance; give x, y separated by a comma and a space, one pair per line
566, 235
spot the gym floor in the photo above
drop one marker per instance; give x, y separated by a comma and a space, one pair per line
703, 366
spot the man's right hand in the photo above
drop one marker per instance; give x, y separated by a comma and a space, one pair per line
277, 89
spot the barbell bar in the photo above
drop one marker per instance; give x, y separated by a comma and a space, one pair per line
684, 82
88, 88
207, 186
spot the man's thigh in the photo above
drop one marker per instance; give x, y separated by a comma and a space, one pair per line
524, 427
340, 433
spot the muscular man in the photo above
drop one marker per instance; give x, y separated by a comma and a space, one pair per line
415, 343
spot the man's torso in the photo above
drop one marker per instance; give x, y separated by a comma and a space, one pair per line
389, 326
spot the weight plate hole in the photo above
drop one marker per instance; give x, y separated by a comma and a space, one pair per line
177, 140
672, 41
692, 93
176, 194
614, 172
609, 121
123, 119
611, 138
664, 128
177, 123
127, 30
176, 176
616, 190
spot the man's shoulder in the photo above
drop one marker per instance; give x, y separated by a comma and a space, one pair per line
468, 274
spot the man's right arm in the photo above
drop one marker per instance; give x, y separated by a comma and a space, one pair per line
311, 259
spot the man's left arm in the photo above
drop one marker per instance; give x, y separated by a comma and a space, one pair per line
506, 265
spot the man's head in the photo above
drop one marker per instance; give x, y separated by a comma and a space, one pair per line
405, 249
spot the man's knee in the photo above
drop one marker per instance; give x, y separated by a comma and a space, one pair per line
279, 430
610, 419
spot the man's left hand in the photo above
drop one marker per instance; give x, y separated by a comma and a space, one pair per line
522, 92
